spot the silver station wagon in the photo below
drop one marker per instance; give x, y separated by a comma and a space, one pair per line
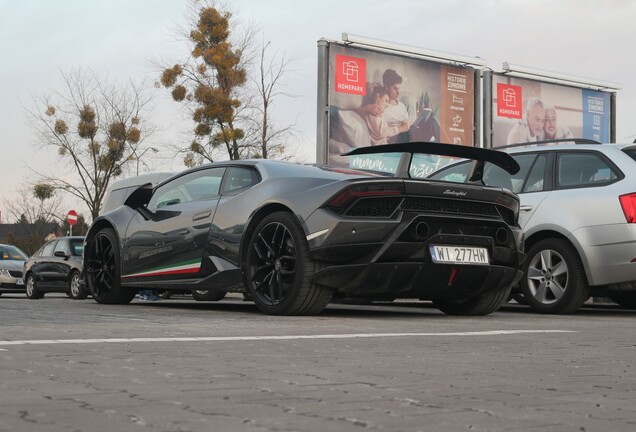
578, 213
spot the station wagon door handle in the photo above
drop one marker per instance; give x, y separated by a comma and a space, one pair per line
526, 208
201, 215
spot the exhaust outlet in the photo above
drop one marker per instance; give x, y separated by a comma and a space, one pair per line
422, 230
501, 236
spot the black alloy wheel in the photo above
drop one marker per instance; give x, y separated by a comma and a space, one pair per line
279, 269
103, 272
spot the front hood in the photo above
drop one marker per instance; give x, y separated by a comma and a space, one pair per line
16, 265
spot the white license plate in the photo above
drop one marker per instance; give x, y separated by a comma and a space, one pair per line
19, 282
459, 254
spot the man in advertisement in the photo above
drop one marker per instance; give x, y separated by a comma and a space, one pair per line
531, 128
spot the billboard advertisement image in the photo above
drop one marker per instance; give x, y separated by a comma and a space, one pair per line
379, 98
527, 110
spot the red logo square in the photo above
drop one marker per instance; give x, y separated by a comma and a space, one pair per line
509, 101
351, 75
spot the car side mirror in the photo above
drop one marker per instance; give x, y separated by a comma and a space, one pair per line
60, 254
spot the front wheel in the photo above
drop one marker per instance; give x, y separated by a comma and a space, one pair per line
103, 273
75, 290
208, 295
481, 305
279, 271
554, 280
32, 291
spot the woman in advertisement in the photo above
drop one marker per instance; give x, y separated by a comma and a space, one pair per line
551, 129
379, 129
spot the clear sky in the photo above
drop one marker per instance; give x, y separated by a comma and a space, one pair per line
122, 39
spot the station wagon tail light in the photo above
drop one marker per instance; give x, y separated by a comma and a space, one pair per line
346, 197
628, 203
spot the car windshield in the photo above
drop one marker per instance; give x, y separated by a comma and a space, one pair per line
422, 165
12, 253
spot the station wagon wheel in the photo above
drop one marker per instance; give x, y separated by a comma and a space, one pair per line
554, 279
279, 269
103, 271
76, 292
31, 286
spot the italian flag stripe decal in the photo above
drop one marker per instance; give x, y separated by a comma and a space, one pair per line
183, 267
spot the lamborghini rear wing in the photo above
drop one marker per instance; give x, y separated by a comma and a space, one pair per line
479, 155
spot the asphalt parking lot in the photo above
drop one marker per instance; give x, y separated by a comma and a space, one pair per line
181, 365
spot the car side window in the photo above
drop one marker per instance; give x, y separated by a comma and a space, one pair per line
47, 250
534, 183
77, 247
199, 185
238, 179
583, 170
495, 176
62, 246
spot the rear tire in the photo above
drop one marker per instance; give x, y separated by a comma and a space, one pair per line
208, 295
554, 279
481, 305
279, 271
103, 273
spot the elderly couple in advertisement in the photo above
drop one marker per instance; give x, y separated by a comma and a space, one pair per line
540, 123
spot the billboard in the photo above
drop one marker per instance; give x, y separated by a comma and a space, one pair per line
378, 97
526, 110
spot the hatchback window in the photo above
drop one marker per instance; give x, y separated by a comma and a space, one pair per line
583, 170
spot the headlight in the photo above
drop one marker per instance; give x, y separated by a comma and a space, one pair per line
4, 272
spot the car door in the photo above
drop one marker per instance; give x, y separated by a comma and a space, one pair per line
42, 267
167, 239
60, 265
536, 185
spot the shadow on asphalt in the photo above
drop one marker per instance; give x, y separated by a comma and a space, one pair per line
400, 308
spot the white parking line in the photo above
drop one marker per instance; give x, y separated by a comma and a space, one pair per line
265, 338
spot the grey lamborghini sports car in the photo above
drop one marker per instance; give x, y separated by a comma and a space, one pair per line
295, 236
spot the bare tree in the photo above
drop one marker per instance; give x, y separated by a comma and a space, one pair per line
35, 211
270, 140
97, 127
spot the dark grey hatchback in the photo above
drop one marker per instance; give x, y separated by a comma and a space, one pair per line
56, 267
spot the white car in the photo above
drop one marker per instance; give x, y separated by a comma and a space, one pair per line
11, 268
578, 213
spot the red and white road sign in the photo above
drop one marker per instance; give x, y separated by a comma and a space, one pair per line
71, 217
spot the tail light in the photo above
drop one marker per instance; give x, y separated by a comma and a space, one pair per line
511, 203
628, 203
341, 201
